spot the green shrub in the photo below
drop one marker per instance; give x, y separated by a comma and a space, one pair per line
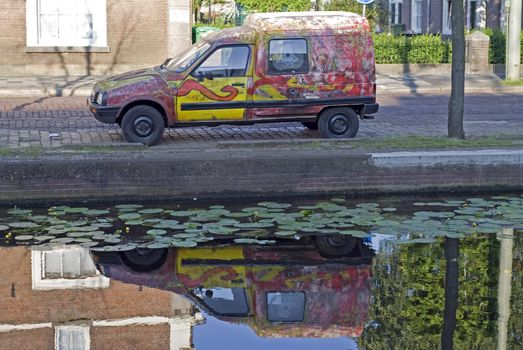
497, 49
429, 49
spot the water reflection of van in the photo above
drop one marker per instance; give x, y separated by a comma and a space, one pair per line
316, 68
279, 291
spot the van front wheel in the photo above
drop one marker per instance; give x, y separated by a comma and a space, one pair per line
143, 124
339, 123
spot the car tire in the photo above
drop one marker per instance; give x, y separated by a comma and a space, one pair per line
338, 123
144, 259
335, 246
310, 125
143, 124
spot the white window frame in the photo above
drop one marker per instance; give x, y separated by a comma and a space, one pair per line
446, 24
99, 13
84, 329
395, 4
39, 282
416, 5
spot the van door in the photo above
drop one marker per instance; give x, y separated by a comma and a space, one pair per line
217, 88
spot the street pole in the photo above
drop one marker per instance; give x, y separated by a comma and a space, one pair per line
364, 8
513, 39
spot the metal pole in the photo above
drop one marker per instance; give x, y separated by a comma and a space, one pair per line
513, 39
504, 285
364, 7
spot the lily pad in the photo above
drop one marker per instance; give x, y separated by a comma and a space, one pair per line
22, 224
151, 211
24, 237
129, 216
156, 232
18, 211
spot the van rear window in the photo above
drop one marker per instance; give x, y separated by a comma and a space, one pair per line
288, 56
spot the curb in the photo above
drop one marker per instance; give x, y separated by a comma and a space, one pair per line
229, 173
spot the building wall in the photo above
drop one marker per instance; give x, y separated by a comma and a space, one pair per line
139, 33
21, 305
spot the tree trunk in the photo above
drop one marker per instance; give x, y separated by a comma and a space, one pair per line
451, 292
457, 94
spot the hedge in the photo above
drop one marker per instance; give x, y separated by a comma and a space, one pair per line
425, 48
497, 45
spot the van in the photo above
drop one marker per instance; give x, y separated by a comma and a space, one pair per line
316, 68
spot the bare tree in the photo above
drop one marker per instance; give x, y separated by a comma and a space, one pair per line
457, 94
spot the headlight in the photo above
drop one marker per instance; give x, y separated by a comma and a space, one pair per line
100, 98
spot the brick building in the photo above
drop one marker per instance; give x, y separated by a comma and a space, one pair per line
79, 37
57, 300
433, 16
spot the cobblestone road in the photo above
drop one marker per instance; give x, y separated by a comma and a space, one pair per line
56, 121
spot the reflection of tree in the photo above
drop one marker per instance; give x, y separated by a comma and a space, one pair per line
515, 325
408, 297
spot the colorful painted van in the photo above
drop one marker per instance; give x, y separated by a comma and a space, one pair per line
316, 68
277, 290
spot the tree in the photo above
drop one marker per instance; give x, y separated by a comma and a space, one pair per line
457, 93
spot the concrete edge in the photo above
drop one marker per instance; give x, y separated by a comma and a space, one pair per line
229, 174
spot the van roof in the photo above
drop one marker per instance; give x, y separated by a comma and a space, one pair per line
312, 20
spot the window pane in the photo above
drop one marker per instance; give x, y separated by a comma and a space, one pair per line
285, 307
224, 301
49, 6
53, 264
288, 56
71, 338
48, 27
228, 61
71, 263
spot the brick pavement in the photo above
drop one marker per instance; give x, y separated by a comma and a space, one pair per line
57, 121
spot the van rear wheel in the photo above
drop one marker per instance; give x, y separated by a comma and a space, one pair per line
338, 123
143, 124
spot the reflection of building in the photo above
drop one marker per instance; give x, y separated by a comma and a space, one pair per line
57, 300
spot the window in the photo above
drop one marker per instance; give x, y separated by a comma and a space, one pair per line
285, 306
227, 61
395, 11
447, 24
416, 16
185, 59
288, 56
224, 301
72, 338
65, 268
68, 23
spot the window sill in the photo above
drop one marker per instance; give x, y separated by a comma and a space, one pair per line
80, 49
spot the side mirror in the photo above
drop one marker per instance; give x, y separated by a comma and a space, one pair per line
208, 75
199, 76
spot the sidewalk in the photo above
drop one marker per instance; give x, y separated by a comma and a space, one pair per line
413, 83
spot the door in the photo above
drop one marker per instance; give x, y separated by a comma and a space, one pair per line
217, 88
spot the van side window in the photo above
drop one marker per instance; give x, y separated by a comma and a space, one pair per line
227, 61
288, 56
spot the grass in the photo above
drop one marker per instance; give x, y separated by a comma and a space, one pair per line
411, 142
427, 142
512, 82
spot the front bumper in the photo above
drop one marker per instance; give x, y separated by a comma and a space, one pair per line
105, 114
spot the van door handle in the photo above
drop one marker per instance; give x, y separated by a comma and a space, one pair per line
238, 84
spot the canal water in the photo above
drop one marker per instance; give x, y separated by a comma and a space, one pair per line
317, 273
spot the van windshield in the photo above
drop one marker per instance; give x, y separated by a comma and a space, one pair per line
184, 60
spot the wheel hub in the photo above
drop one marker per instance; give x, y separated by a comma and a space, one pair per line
338, 124
143, 126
